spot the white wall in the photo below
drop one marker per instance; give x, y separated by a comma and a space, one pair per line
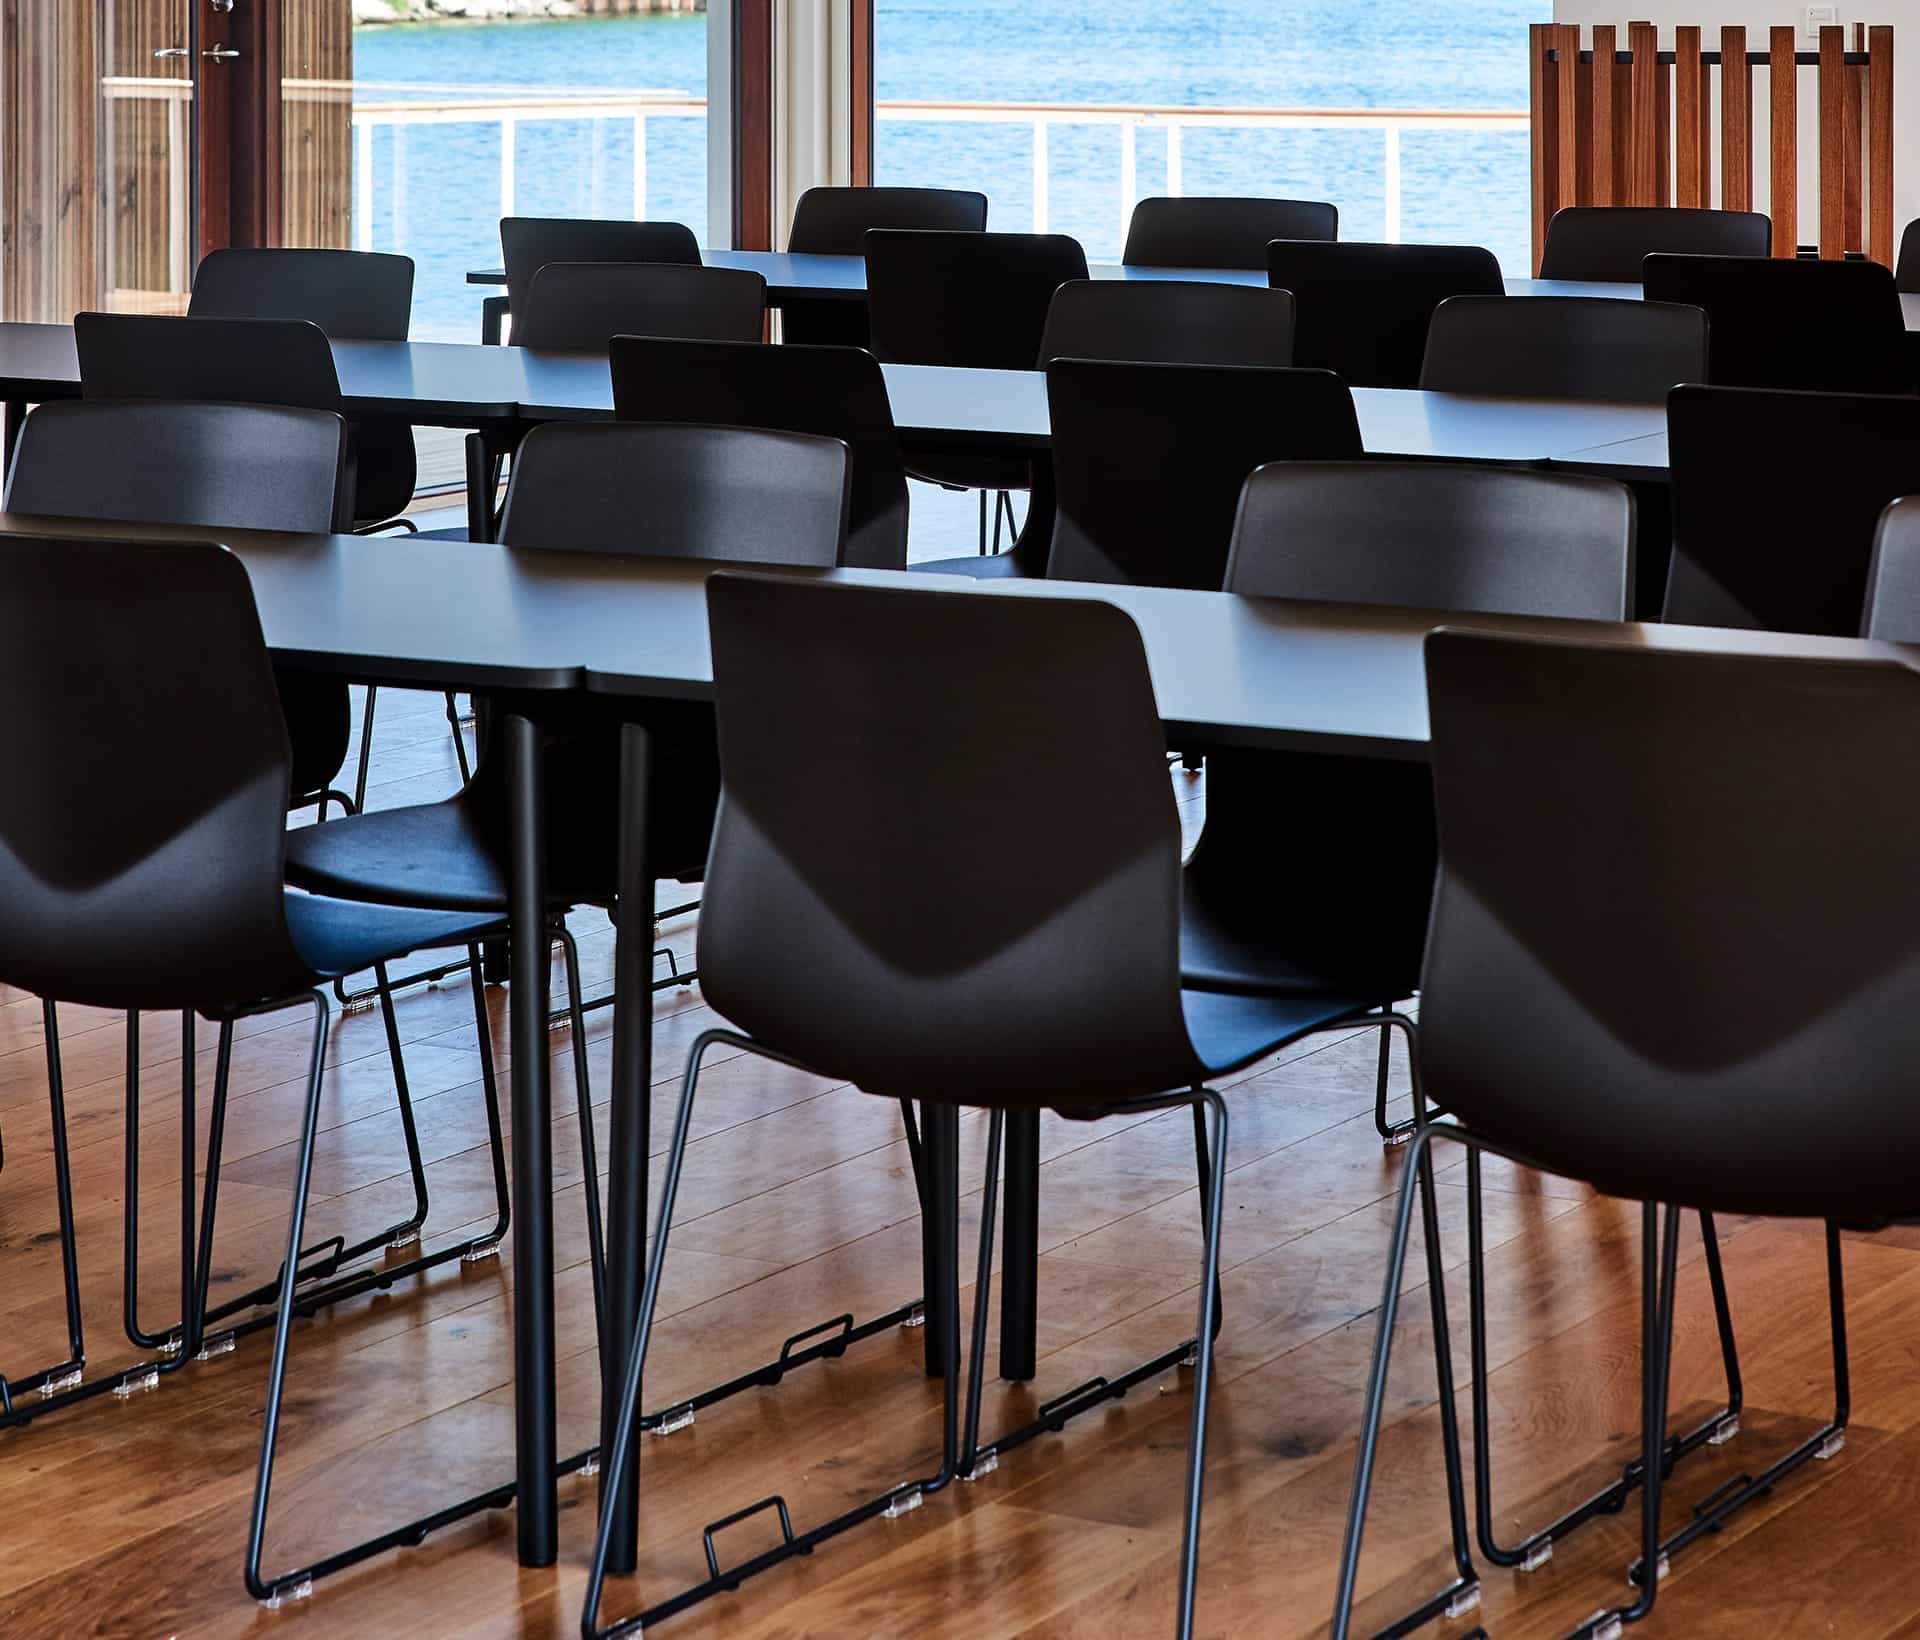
1904, 15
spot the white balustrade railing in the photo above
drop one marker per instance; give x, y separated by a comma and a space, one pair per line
509, 108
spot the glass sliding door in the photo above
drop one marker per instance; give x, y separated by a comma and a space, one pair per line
108, 108
407, 129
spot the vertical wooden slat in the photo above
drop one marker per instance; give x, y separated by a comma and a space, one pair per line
862, 78
1603, 163
753, 124
1880, 143
1689, 120
1544, 112
1643, 40
1662, 131
1831, 85
1704, 136
1736, 122
1567, 106
1583, 132
1783, 142
1853, 158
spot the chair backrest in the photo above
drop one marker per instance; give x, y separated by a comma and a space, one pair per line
1429, 535
1149, 460
231, 361
1564, 347
356, 295
1906, 273
976, 299
1168, 321
834, 221
836, 392
1822, 327
1893, 583
1218, 232
1673, 945
871, 896
529, 243
1608, 243
1776, 497
668, 491
211, 466
1361, 310
108, 649
581, 306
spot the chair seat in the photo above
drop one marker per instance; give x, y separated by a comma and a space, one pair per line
453, 532
1229, 1030
991, 566
973, 472
1252, 957
447, 856
336, 937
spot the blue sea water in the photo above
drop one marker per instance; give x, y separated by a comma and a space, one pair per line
438, 197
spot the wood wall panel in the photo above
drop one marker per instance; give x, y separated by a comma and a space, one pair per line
49, 161
316, 123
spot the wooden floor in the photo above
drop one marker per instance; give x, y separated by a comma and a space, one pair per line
129, 1518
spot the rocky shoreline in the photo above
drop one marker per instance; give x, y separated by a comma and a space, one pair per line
370, 13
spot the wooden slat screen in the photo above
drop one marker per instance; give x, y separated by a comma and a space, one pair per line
1636, 127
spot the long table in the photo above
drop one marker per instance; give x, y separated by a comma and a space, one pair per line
545, 626
792, 278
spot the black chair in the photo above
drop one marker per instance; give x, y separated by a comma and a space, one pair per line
351, 296
977, 300
1906, 272
529, 243
1608, 243
1149, 460
1361, 310
580, 306
1893, 585
211, 466
1784, 322
837, 393
834, 222
218, 466
242, 361
178, 901
1217, 232
867, 737
716, 493
1421, 535
1671, 957
1564, 347
1168, 322
1776, 497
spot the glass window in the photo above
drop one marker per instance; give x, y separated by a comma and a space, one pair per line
406, 130
1066, 113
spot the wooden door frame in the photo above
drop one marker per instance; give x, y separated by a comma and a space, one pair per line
245, 173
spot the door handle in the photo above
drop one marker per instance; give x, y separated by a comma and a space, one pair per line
174, 51
221, 54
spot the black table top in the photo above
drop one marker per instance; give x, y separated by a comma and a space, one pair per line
1226, 670
1644, 457
465, 384
953, 408
844, 278
428, 383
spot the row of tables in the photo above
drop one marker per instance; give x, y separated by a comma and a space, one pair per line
532, 627
792, 278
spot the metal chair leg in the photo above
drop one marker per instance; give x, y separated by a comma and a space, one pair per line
897, 1500
366, 752
1206, 1193
589, 1148
1203, 1360
1463, 1594
459, 739
1536, 1549
276, 1591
